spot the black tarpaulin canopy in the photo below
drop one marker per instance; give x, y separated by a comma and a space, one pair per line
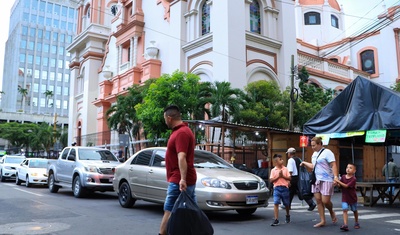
363, 105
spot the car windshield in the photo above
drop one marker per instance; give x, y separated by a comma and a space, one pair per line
14, 160
203, 159
95, 154
38, 163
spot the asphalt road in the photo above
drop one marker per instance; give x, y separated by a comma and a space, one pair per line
37, 211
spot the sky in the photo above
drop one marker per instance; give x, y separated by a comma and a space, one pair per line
357, 12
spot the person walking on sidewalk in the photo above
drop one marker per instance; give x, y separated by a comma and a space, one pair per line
391, 171
280, 178
293, 168
323, 160
349, 196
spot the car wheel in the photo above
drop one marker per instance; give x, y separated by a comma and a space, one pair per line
17, 180
2, 178
125, 196
51, 183
27, 184
246, 211
77, 188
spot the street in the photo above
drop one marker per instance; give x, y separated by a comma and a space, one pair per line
37, 211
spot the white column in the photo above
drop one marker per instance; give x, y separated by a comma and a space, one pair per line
134, 54
119, 50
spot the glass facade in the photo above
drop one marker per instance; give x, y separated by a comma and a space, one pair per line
44, 29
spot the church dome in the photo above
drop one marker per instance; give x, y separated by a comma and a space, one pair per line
333, 3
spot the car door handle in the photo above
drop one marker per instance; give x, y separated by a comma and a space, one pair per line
151, 171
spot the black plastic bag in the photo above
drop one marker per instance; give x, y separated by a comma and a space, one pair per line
304, 184
187, 218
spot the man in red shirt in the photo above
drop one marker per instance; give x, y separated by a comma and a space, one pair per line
179, 160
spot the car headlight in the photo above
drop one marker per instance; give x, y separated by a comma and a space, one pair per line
215, 183
91, 169
262, 184
8, 167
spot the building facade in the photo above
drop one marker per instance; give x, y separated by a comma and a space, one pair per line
125, 42
36, 76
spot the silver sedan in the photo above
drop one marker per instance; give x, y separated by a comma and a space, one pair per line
219, 186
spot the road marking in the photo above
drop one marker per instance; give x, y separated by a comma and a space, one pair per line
394, 221
377, 216
28, 192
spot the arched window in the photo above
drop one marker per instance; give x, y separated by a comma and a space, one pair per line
334, 21
334, 60
368, 61
205, 18
312, 18
255, 19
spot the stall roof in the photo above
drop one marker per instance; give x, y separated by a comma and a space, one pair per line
363, 105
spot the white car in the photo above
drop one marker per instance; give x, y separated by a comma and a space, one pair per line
32, 171
8, 166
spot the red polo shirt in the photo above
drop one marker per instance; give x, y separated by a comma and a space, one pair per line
181, 140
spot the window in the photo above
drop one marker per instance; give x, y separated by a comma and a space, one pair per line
24, 30
54, 49
368, 61
66, 91
35, 87
39, 47
143, 158
63, 25
46, 47
334, 21
71, 13
64, 11
70, 26
30, 59
22, 44
47, 36
55, 36
42, 6
35, 4
52, 75
60, 64
34, 101
69, 39
33, 18
27, 4
56, 9
31, 45
43, 100
48, 21
205, 18
26, 17
22, 58
41, 20
53, 64
55, 23
334, 60
312, 18
32, 32
44, 74
58, 90
59, 77
37, 60
255, 19
62, 37
45, 61
61, 50
40, 33
65, 104
37, 73
159, 156
66, 77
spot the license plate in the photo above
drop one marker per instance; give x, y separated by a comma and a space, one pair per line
111, 180
251, 199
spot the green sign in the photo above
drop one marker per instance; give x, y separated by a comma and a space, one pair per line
375, 136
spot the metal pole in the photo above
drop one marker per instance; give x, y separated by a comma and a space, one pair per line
291, 92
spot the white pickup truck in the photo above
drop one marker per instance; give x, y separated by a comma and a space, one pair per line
84, 169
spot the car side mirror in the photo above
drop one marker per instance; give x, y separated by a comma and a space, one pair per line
163, 163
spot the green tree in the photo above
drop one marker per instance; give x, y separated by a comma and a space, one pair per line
225, 101
24, 93
265, 105
48, 95
181, 89
395, 87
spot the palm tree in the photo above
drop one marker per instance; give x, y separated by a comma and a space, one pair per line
24, 93
225, 101
48, 95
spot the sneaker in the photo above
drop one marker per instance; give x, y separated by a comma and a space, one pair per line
344, 228
287, 220
312, 207
356, 225
275, 223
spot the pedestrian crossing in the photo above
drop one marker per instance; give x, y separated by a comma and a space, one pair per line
363, 214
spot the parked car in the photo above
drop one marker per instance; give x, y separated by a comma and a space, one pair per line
8, 166
32, 171
82, 169
219, 185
